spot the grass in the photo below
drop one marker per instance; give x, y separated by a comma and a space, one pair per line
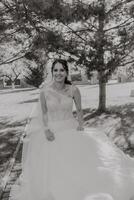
126, 128
9, 137
15, 107
122, 118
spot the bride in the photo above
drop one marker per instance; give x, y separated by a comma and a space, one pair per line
63, 161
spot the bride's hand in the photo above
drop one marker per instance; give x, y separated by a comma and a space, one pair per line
80, 128
49, 135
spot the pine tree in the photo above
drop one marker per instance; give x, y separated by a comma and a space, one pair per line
35, 75
97, 34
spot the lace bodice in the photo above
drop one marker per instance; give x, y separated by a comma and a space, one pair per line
59, 105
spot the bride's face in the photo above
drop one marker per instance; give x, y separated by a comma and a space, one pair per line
59, 73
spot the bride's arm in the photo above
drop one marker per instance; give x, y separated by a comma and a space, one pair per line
44, 108
77, 100
48, 133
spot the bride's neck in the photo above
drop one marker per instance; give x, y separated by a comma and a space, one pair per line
59, 86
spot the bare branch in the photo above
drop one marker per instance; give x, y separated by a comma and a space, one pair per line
16, 74
81, 30
8, 76
91, 25
125, 23
126, 63
73, 31
116, 6
6, 35
11, 60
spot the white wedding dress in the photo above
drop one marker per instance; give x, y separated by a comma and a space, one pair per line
77, 165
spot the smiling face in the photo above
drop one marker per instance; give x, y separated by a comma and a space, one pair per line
59, 73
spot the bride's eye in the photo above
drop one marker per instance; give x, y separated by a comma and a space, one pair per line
62, 70
55, 70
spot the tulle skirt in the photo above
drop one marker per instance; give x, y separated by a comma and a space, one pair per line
77, 165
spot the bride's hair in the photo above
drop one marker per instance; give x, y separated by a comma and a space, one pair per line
65, 66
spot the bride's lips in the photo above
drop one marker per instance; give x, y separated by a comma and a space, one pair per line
59, 76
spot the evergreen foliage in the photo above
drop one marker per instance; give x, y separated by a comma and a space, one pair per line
35, 75
97, 34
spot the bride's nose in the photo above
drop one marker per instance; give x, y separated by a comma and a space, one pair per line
59, 72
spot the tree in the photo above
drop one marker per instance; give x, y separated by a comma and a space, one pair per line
35, 75
12, 73
15, 40
15, 37
96, 34
130, 72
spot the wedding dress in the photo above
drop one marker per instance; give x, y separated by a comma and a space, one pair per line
77, 165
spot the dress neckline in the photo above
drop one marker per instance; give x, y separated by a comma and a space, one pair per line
62, 93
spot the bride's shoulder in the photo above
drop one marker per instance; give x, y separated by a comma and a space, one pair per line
74, 90
44, 87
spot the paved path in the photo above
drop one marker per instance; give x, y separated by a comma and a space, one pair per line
14, 174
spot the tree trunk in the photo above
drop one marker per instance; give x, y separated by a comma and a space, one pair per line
102, 97
102, 94
100, 55
13, 85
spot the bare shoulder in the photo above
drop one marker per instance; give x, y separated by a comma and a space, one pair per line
75, 88
75, 91
45, 87
42, 89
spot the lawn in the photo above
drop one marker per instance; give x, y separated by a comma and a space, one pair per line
118, 123
117, 94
